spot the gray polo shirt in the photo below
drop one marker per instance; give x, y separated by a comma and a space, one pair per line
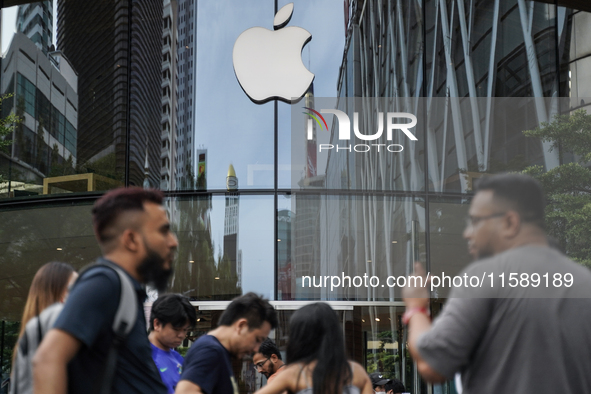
516, 339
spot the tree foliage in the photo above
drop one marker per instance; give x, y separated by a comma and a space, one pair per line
7, 123
568, 186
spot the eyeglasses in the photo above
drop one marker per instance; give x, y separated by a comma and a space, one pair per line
260, 364
472, 221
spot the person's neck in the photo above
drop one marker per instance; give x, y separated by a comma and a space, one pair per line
528, 239
223, 334
153, 338
123, 260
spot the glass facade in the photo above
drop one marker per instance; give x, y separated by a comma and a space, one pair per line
144, 93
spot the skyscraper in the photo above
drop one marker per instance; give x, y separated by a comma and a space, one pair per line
186, 54
95, 37
35, 20
169, 95
231, 217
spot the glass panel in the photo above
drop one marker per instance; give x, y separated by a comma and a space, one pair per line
448, 248
225, 246
67, 66
322, 56
364, 143
347, 247
469, 138
29, 239
483, 49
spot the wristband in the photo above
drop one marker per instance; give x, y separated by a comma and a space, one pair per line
411, 312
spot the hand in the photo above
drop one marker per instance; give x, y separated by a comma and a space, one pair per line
416, 296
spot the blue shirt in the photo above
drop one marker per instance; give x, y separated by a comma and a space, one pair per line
170, 366
88, 316
209, 366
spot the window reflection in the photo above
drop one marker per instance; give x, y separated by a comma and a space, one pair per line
33, 237
225, 245
352, 238
449, 249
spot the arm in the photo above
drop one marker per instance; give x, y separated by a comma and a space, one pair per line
187, 387
419, 323
50, 374
284, 382
361, 379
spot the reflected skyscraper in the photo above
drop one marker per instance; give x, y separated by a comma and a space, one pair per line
95, 38
231, 226
35, 20
169, 95
46, 98
186, 92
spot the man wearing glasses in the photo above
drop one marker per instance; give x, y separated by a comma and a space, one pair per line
526, 335
172, 317
267, 360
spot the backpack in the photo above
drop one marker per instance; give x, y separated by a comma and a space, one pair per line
37, 327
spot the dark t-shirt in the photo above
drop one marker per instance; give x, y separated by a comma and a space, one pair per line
209, 366
88, 316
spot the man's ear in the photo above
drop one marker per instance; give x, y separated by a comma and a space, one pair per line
241, 324
157, 324
512, 224
130, 240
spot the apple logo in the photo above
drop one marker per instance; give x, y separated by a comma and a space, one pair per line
268, 64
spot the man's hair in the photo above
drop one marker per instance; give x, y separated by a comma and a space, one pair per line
255, 309
175, 309
395, 385
520, 192
269, 348
109, 207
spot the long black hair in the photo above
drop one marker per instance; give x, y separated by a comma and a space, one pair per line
316, 335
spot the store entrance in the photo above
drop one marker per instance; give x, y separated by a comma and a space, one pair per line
374, 337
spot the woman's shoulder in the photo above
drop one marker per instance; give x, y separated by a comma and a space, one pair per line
360, 377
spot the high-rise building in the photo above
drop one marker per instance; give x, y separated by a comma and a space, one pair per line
169, 95
231, 221
96, 39
186, 55
35, 20
46, 98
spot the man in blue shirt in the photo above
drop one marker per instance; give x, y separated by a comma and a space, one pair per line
242, 328
172, 317
133, 232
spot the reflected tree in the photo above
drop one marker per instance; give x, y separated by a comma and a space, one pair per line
196, 266
568, 186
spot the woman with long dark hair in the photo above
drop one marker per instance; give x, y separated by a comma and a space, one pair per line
46, 294
316, 359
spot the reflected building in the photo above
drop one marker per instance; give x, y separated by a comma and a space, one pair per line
35, 20
96, 39
286, 281
46, 98
186, 48
232, 251
169, 95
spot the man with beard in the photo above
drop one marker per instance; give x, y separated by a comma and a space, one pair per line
242, 328
133, 232
515, 332
268, 360
171, 319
